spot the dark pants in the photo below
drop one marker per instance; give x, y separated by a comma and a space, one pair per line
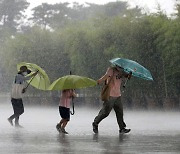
18, 108
64, 113
115, 103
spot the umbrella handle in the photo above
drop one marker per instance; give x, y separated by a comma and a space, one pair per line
30, 81
124, 86
127, 79
72, 112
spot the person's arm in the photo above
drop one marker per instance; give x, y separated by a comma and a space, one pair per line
104, 77
30, 76
127, 75
74, 94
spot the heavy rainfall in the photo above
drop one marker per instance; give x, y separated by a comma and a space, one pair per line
56, 61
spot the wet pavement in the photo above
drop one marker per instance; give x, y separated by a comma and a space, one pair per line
152, 132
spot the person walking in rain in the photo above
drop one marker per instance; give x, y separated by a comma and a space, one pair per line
64, 109
114, 75
18, 88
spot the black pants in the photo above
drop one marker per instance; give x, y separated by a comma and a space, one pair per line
18, 108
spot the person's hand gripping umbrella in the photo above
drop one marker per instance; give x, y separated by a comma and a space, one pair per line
72, 82
133, 68
40, 80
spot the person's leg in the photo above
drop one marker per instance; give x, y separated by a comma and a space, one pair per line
58, 126
61, 126
14, 105
66, 119
61, 122
21, 107
118, 108
17, 121
65, 114
18, 111
10, 119
64, 123
103, 113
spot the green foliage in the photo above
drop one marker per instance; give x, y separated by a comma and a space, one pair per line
11, 11
84, 39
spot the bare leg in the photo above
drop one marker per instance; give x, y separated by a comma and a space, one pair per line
61, 122
58, 126
17, 121
10, 119
64, 123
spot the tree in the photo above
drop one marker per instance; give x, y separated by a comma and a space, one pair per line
177, 6
10, 12
42, 14
37, 46
50, 15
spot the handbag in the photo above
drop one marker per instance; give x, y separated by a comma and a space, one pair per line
105, 92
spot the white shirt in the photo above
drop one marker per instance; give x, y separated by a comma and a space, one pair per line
18, 85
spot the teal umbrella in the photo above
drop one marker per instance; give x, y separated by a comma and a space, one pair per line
133, 67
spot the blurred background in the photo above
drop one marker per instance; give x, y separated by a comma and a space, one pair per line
82, 38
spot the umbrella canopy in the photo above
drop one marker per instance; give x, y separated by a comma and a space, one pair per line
41, 80
132, 66
72, 82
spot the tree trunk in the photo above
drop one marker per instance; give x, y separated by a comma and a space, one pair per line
164, 78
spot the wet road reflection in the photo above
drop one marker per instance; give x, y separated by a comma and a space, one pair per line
150, 133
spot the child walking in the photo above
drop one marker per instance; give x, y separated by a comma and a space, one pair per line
64, 109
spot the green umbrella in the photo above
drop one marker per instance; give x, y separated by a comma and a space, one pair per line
72, 82
41, 80
132, 66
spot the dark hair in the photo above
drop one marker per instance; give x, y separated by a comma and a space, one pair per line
28, 71
23, 68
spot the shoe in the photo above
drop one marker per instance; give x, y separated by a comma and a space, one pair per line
18, 126
58, 127
124, 130
10, 121
95, 128
63, 131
